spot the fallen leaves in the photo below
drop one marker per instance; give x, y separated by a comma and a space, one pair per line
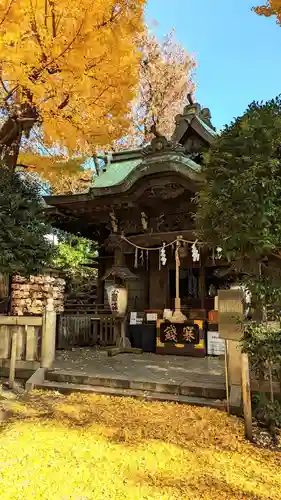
97, 447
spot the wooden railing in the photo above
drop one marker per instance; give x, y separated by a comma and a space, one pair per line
74, 307
29, 336
87, 329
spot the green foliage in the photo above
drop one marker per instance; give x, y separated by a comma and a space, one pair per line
239, 207
266, 290
262, 344
73, 254
24, 248
267, 413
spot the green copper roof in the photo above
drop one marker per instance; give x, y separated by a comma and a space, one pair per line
206, 127
116, 173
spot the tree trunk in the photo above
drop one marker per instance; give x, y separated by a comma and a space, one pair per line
10, 138
11, 134
271, 383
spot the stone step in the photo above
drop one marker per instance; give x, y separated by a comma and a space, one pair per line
188, 388
66, 388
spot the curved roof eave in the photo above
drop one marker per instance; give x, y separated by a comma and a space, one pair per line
172, 163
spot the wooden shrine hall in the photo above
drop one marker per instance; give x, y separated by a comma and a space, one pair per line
140, 211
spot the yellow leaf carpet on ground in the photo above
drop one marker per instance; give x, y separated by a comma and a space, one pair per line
94, 447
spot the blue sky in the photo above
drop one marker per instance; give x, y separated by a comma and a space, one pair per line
238, 53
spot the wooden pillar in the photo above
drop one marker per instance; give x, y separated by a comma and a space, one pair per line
48, 336
101, 272
5, 341
12, 370
100, 284
119, 257
31, 342
177, 299
246, 391
202, 284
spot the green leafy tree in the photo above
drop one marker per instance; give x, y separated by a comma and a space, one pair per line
239, 206
24, 247
74, 254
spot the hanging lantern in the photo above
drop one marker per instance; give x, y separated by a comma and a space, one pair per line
118, 299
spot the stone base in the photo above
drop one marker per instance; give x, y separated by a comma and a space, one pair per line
123, 350
124, 343
37, 378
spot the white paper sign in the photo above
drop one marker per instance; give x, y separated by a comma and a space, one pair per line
151, 317
215, 344
133, 318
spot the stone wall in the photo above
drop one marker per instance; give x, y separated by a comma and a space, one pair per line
29, 295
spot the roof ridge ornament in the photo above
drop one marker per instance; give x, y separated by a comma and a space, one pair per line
193, 109
160, 144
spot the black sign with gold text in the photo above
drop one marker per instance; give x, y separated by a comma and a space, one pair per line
179, 333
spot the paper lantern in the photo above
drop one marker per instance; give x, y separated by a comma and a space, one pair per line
118, 300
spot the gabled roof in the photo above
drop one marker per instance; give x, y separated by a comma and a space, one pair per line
195, 119
122, 272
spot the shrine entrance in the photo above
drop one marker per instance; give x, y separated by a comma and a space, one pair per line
140, 211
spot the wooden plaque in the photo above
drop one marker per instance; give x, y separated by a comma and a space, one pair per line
231, 312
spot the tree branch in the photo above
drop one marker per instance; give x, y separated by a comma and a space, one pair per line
38, 71
64, 103
114, 15
11, 93
36, 32
4, 86
52, 5
7, 12
46, 13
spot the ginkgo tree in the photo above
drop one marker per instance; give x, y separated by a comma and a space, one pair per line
63, 175
165, 79
70, 67
271, 8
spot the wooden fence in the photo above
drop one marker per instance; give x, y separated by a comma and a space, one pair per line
87, 325
29, 334
35, 337
75, 307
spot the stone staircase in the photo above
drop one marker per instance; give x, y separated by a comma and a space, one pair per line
210, 394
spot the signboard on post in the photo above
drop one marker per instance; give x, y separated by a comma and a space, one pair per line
231, 311
215, 345
231, 314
